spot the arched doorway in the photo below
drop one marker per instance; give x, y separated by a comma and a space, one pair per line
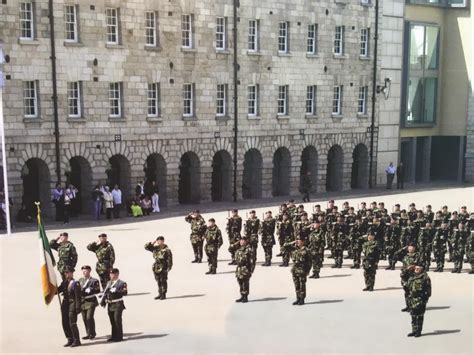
221, 176
155, 170
118, 173
281, 172
360, 167
189, 179
36, 185
334, 173
252, 176
80, 176
309, 163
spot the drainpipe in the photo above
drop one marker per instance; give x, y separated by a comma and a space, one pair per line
236, 106
55, 91
374, 93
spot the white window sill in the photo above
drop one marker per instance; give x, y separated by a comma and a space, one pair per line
312, 55
188, 50
311, 117
114, 46
222, 51
285, 54
253, 117
28, 42
72, 44
256, 53
283, 117
340, 2
31, 120
339, 56
362, 115
364, 57
153, 48
366, 4
154, 119
337, 115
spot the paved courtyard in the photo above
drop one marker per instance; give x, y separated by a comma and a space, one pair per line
201, 317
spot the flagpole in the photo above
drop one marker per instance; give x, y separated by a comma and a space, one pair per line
4, 163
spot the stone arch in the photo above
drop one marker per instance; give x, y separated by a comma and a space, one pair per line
252, 174
309, 163
281, 172
189, 190
79, 174
335, 167
119, 173
156, 177
221, 176
360, 167
36, 179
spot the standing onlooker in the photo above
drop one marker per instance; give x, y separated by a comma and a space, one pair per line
306, 186
75, 201
68, 198
97, 199
117, 198
390, 175
102, 189
108, 203
58, 200
400, 175
155, 198
139, 189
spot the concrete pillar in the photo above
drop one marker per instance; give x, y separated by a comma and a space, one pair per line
462, 143
412, 176
426, 163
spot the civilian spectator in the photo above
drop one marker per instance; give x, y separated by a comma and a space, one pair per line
97, 197
108, 202
136, 210
146, 206
117, 198
390, 175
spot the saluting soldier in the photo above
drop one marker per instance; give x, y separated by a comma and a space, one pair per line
392, 243
302, 266
70, 306
371, 257
446, 214
90, 288
245, 266
233, 229
214, 241
302, 227
105, 258
316, 248
409, 258
67, 255
429, 214
198, 227
252, 226
114, 292
162, 266
439, 246
267, 231
419, 286
286, 236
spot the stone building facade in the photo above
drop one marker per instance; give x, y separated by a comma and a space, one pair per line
187, 148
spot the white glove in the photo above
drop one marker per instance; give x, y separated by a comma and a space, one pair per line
112, 290
88, 290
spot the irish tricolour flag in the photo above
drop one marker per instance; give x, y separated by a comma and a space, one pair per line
47, 263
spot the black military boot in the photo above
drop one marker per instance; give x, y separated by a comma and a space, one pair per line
412, 334
73, 345
213, 272
316, 276
334, 266
163, 296
245, 299
296, 302
158, 297
86, 337
240, 299
195, 260
209, 272
417, 334
406, 309
366, 289
301, 301
69, 343
353, 267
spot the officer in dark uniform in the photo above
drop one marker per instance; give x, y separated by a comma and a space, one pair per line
89, 289
113, 297
70, 306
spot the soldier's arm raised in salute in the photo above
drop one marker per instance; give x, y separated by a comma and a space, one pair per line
92, 246
150, 246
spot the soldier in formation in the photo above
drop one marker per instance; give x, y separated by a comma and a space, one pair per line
233, 229
90, 288
67, 255
245, 260
162, 265
113, 295
198, 227
252, 226
419, 292
301, 267
267, 232
371, 252
105, 258
214, 241
70, 306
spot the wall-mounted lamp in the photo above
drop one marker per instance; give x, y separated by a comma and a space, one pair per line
385, 89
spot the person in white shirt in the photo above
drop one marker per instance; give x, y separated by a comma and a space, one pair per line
117, 199
108, 202
390, 175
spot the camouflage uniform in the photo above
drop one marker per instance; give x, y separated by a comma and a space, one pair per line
458, 241
67, 255
163, 264
316, 249
425, 240
89, 289
233, 228
439, 247
408, 261
105, 260
419, 287
471, 251
357, 240
244, 257
252, 226
214, 241
267, 230
198, 227
70, 308
452, 225
286, 236
338, 241
371, 256
392, 244
300, 270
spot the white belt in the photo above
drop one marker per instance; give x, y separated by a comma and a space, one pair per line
115, 301
88, 297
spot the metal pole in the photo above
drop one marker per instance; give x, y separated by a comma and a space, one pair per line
236, 106
4, 163
374, 93
55, 90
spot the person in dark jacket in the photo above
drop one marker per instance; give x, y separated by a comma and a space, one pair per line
400, 175
70, 307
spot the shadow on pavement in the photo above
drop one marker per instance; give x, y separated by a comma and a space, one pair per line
436, 308
138, 294
329, 276
124, 334
130, 337
388, 289
266, 299
441, 332
325, 301
185, 296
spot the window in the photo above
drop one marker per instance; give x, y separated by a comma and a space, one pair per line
30, 99
112, 23
115, 100
153, 100
339, 40
252, 100
362, 100
282, 100
188, 100
221, 33
283, 37
253, 44
186, 31
364, 42
365, 2
27, 30
311, 100
70, 22
422, 74
151, 37
337, 100
312, 43
74, 99
221, 108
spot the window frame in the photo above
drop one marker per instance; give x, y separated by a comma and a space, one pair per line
109, 25
151, 31
221, 97
153, 87
311, 90
77, 98
362, 101
190, 99
188, 30
35, 96
30, 21
283, 39
283, 97
313, 39
118, 98
222, 33
254, 35
364, 44
338, 112
253, 89
74, 23
341, 41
